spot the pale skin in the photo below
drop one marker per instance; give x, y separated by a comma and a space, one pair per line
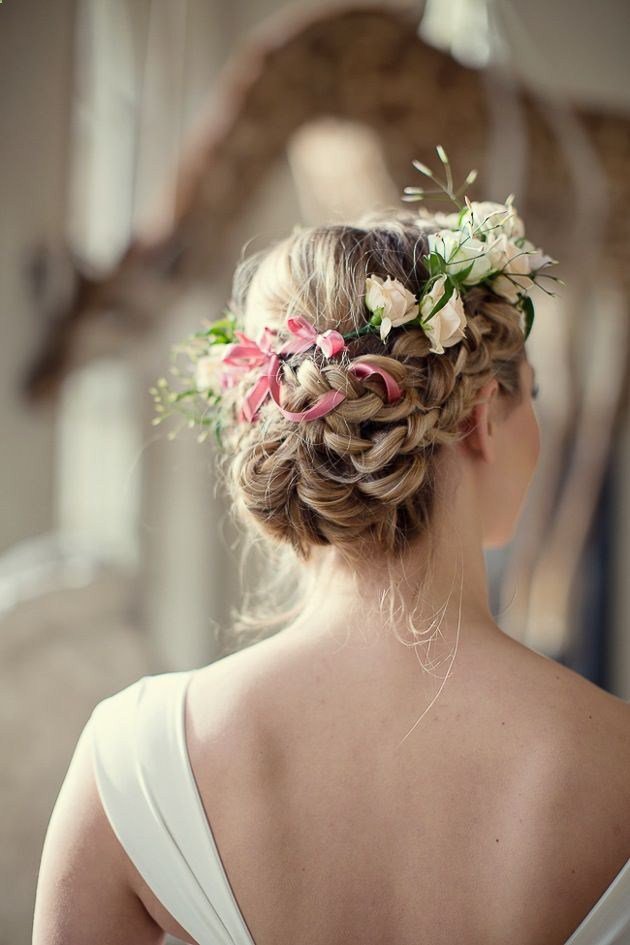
502, 815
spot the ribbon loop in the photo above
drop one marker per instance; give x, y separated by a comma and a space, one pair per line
323, 405
365, 369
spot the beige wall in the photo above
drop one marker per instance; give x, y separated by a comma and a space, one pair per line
35, 97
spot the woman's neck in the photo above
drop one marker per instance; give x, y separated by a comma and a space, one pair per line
440, 582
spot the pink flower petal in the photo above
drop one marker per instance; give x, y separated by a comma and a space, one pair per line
331, 342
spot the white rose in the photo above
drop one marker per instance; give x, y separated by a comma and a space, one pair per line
493, 218
506, 288
537, 259
389, 299
506, 255
460, 250
447, 326
208, 369
515, 265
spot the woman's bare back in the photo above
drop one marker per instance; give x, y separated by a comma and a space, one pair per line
503, 816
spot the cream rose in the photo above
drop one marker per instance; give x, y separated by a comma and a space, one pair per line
208, 369
515, 265
493, 219
389, 299
459, 251
506, 288
537, 259
447, 326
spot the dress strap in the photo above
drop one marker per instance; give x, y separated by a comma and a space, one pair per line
150, 797
608, 922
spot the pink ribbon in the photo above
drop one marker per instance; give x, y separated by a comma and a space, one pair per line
331, 342
247, 354
269, 384
322, 405
364, 369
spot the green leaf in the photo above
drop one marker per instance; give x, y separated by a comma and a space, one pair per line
458, 277
180, 395
220, 331
449, 288
528, 308
436, 264
223, 326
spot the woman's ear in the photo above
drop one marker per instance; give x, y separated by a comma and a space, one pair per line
479, 427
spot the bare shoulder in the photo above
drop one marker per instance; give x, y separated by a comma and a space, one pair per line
560, 701
241, 675
584, 732
583, 701
598, 731
225, 707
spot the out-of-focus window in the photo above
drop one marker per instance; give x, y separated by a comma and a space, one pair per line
98, 431
97, 478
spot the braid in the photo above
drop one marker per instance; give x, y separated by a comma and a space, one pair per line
361, 476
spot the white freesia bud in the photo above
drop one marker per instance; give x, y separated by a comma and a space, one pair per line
447, 326
389, 299
460, 250
208, 369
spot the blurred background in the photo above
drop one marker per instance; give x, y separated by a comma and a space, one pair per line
144, 142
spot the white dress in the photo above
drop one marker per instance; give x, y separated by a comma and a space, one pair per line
149, 794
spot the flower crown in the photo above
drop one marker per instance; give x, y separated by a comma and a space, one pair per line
478, 243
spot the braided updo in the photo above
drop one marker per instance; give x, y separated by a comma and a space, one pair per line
362, 477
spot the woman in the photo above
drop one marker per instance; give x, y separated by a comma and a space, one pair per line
390, 767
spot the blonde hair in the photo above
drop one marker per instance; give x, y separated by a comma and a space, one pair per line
361, 478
